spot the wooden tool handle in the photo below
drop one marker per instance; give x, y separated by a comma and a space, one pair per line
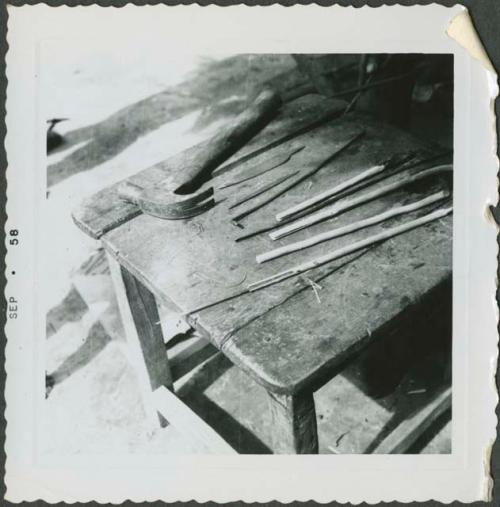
200, 163
130, 191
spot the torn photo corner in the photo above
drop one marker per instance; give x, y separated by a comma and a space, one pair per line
250, 255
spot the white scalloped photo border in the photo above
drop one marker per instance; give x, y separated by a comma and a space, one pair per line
463, 475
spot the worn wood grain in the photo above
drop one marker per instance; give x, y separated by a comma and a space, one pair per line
106, 210
283, 337
146, 348
294, 423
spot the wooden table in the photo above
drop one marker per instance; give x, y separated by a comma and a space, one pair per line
289, 338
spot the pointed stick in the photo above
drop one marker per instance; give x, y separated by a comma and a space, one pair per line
340, 207
372, 171
262, 189
300, 179
348, 249
359, 186
361, 224
281, 161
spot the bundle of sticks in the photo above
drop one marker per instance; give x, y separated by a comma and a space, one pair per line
341, 198
337, 200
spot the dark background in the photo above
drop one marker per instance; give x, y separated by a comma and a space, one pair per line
485, 15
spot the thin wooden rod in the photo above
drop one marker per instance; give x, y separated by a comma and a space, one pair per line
372, 171
359, 186
340, 207
346, 229
262, 189
281, 161
346, 250
300, 179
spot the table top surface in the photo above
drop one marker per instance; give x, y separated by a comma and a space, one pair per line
291, 336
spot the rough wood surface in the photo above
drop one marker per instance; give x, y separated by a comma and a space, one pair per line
107, 210
294, 424
292, 335
146, 348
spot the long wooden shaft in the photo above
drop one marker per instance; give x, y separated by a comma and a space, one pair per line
346, 250
330, 192
283, 159
340, 207
300, 179
355, 188
262, 189
346, 229
204, 158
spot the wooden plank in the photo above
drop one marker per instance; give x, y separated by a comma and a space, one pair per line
186, 422
407, 433
191, 356
294, 424
105, 210
193, 262
146, 349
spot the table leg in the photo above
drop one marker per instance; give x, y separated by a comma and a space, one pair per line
144, 336
294, 424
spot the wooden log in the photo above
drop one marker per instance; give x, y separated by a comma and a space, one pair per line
354, 247
186, 422
346, 229
294, 424
342, 206
146, 348
407, 433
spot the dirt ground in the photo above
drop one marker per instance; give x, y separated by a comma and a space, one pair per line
125, 113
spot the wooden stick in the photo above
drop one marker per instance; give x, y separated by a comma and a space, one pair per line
330, 192
346, 250
341, 231
282, 160
262, 189
340, 207
407, 165
300, 179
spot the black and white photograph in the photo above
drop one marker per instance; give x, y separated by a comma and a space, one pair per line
302, 251
247, 254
